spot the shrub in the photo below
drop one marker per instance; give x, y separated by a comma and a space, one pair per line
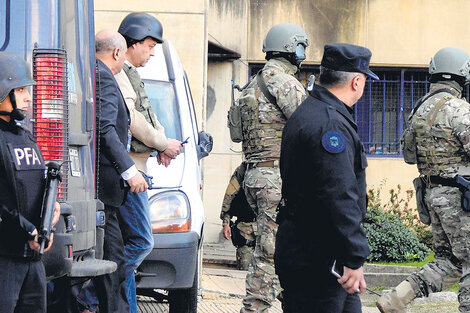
393, 229
390, 240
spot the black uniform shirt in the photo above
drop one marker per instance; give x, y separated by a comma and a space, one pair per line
22, 180
323, 181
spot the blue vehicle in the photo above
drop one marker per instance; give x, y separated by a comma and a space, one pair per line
57, 39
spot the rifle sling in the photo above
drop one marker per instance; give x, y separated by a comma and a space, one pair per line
264, 89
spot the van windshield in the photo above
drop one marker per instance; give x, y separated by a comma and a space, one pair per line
163, 100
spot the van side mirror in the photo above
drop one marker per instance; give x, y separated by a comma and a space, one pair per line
205, 143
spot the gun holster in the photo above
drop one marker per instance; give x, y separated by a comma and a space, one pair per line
423, 211
237, 239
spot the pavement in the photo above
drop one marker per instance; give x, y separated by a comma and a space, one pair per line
223, 286
222, 292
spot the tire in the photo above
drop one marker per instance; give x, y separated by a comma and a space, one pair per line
185, 300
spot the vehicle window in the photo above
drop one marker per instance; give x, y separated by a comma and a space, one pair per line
163, 100
4, 20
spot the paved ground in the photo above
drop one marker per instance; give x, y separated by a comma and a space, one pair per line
223, 287
222, 292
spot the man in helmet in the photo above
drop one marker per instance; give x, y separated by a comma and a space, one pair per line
22, 275
266, 104
142, 32
439, 143
324, 191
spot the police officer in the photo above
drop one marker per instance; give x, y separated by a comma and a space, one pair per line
265, 105
242, 231
22, 275
439, 143
324, 190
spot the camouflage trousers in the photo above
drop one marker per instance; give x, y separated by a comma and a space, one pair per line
245, 253
451, 245
263, 191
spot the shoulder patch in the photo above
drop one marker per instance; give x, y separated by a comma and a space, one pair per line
333, 142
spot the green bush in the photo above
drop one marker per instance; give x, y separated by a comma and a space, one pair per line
390, 240
393, 228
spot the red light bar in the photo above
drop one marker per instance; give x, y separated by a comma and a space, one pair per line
50, 108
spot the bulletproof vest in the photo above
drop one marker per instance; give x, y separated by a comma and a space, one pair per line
436, 147
261, 137
142, 104
23, 171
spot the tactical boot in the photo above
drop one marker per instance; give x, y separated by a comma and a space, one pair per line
395, 301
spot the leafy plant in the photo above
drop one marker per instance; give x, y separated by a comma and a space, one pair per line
393, 229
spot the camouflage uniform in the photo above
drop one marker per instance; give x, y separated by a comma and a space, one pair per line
262, 125
442, 137
246, 228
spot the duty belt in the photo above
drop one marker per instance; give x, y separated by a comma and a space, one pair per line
273, 163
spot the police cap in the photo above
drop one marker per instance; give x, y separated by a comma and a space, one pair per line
347, 58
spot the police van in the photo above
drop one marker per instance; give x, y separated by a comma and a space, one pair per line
176, 209
57, 39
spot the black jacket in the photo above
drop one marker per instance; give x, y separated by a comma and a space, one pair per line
323, 182
113, 137
22, 180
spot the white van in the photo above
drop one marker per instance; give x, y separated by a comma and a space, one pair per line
176, 208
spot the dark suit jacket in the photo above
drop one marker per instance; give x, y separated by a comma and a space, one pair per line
113, 134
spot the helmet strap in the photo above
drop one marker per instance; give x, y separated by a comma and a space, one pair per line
16, 113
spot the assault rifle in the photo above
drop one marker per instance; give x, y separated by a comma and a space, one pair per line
53, 180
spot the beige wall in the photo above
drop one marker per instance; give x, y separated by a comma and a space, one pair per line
389, 173
184, 24
399, 33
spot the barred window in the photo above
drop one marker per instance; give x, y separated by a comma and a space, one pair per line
382, 112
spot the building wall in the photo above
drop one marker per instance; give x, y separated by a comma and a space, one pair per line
399, 33
184, 24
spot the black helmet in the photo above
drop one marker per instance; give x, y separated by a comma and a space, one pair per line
138, 26
14, 74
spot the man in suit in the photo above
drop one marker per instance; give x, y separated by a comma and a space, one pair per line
114, 165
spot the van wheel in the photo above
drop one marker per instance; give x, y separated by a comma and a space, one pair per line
184, 300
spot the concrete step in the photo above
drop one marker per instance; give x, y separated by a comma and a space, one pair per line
222, 255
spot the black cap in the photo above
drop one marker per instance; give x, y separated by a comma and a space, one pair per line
347, 58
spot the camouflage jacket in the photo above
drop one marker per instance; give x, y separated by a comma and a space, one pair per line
441, 126
262, 121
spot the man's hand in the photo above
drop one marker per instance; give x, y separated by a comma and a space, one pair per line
34, 244
56, 216
137, 183
352, 280
227, 232
173, 149
163, 159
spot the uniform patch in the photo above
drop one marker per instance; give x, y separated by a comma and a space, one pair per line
26, 157
333, 142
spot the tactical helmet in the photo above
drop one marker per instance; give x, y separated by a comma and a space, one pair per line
14, 74
284, 38
450, 60
139, 26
